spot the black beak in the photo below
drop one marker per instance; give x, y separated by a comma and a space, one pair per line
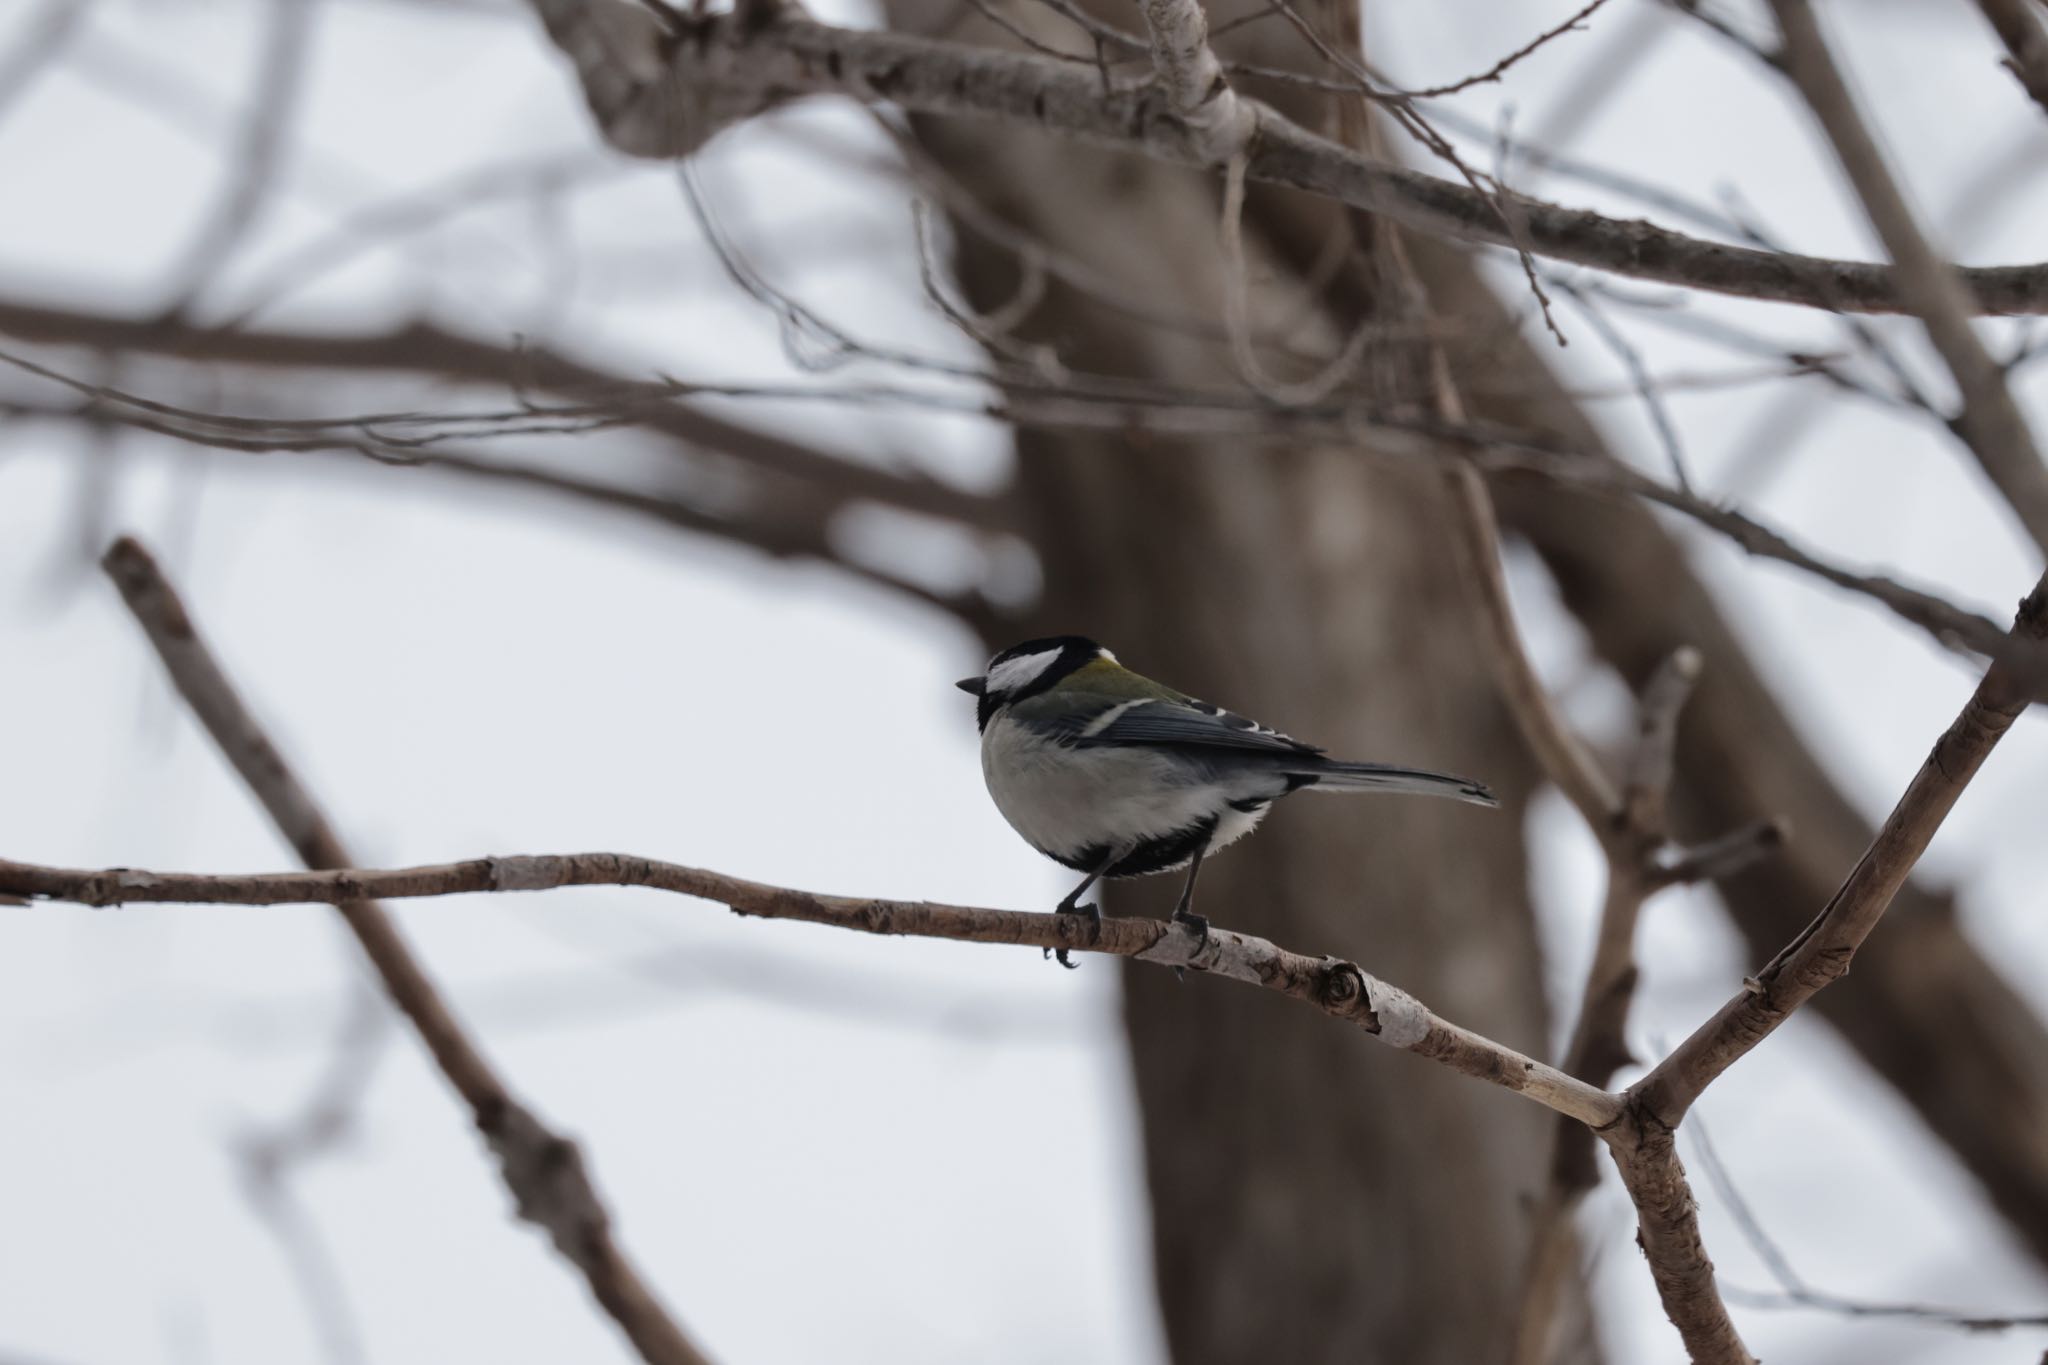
972, 686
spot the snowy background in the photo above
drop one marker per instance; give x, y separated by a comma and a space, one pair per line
819, 1147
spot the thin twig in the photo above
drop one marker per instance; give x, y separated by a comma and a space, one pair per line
1501, 67
1795, 1292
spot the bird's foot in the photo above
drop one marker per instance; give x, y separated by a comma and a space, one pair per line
1200, 924
1092, 913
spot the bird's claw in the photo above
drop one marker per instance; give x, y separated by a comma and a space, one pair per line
1093, 914
1200, 924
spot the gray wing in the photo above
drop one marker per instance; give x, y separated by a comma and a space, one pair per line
1183, 723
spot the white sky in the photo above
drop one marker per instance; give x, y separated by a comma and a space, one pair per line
820, 1147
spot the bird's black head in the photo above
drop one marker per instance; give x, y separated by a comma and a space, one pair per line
1025, 670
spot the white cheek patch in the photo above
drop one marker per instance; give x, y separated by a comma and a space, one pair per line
1014, 674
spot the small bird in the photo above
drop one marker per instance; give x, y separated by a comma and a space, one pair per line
1115, 775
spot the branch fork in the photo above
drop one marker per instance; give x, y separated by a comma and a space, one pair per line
1220, 122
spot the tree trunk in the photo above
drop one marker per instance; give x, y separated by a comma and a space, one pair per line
1313, 1200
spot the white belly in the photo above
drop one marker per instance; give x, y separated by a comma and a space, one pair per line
1064, 801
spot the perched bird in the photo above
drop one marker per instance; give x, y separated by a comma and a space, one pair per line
1115, 775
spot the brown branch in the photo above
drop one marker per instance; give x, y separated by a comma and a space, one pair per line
1630, 824
1821, 952
1631, 827
1991, 423
661, 96
1492, 74
257, 157
543, 1170
2025, 35
793, 523
1564, 759
1221, 123
428, 350
1337, 987
1668, 1230
1633, 833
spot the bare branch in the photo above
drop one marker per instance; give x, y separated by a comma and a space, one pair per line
1998, 434
1647, 784
429, 350
1335, 986
662, 96
1565, 760
656, 406
1795, 1292
786, 524
1221, 124
543, 1170
1722, 856
1630, 825
2025, 35
1991, 424
1668, 1229
258, 156
1500, 68
1821, 952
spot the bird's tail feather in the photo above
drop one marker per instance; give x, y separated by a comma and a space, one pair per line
1336, 776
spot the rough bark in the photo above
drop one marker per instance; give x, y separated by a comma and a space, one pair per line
1309, 1203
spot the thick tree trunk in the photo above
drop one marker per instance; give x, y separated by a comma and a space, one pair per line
1312, 1202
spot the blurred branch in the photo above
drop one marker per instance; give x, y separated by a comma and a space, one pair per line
427, 350
268, 1157
791, 524
1629, 822
543, 1170
1795, 1292
254, 165
1220, 124
655, 406
1565, 760
2025, 35
662, 94
1337, 987
1991, 424
1822, 951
